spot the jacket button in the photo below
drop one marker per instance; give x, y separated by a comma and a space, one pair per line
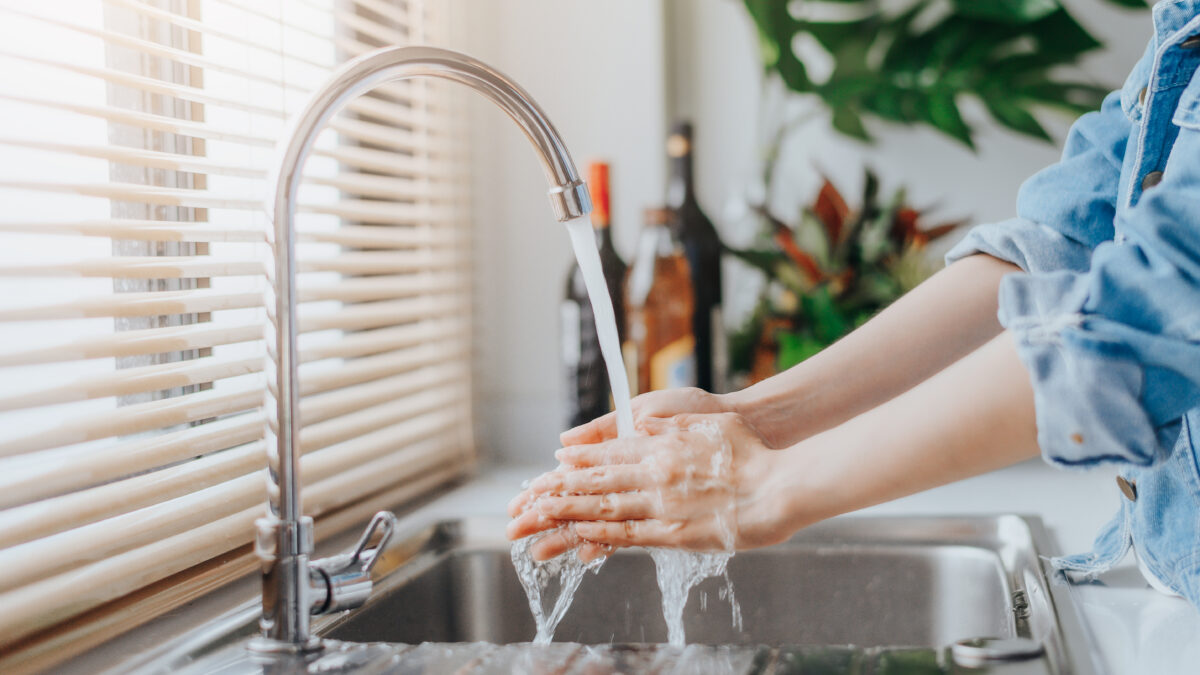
1142, 96
1128, 488
1153, 178
1190, 43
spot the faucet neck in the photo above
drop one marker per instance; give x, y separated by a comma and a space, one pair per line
282, 547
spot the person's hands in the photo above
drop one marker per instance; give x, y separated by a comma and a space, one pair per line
655, 404
699, 482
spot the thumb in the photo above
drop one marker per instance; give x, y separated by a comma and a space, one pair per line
601, 429
653, 426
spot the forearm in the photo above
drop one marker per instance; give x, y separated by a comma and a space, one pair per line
971, 418
939, 322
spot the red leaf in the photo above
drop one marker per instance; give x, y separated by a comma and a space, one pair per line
940, 231
904, 224
783, 237
831, 209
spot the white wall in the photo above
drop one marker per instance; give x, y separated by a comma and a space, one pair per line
597, 69
610, 75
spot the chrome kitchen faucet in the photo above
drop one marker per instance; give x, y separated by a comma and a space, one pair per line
294, 588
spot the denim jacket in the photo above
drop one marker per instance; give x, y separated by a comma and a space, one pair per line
1106, 315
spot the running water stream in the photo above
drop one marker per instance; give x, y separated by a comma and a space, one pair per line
550, 585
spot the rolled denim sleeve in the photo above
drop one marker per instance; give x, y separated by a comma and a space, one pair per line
1114, 352
1067, 209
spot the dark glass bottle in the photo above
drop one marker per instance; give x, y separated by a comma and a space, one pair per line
588, 392
703, 249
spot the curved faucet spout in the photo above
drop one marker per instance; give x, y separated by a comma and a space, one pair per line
292, 586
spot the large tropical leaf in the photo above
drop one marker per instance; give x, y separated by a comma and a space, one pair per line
908, 69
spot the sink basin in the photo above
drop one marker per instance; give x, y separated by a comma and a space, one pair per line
912, 590
827, 587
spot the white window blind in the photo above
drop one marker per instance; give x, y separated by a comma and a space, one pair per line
134, 148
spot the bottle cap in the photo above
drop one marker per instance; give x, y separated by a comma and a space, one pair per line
679, 143
598, 187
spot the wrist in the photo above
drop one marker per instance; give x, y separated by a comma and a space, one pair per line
780, 408
762, 503
813, 484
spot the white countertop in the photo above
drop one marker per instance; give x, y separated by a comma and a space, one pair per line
1137, 630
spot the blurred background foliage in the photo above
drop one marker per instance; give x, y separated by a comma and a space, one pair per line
910, 62
830, 267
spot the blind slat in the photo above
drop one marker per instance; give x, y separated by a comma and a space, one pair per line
165, 303
396, 236
153, 341
190, 267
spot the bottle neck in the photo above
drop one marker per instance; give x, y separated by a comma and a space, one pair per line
679, 185
603, 235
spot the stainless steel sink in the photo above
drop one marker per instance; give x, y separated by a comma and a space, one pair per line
858, 582
940, 594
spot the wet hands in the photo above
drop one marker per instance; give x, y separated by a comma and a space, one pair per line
695, 481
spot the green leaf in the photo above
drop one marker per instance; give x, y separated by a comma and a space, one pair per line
763, 260
944, 115
849, 122
776, 28
1012, 11
1009, 112
794, 348
827, 321
1136, 4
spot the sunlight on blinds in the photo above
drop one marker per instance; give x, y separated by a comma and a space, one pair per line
138, 138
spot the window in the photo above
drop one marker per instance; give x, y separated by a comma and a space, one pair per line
136, 141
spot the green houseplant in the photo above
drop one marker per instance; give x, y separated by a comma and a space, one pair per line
913, 62
912, 65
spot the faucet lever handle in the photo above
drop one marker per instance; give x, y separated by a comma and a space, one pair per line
383, 521
344, 581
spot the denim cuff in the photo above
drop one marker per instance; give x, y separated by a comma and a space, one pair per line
1087, 387
1031, 246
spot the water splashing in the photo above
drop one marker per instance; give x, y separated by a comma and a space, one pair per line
547, 600
679, 571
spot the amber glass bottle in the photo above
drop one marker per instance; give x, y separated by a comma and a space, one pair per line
660, 351
588, 390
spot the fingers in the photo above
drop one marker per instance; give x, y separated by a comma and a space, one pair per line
589, 551
628, 533
521, 502
627, 506
654, 426
560, 541
627, 451
601, 429
554, 544
594, 480
530, 522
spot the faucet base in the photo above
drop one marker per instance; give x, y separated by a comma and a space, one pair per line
269, 647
